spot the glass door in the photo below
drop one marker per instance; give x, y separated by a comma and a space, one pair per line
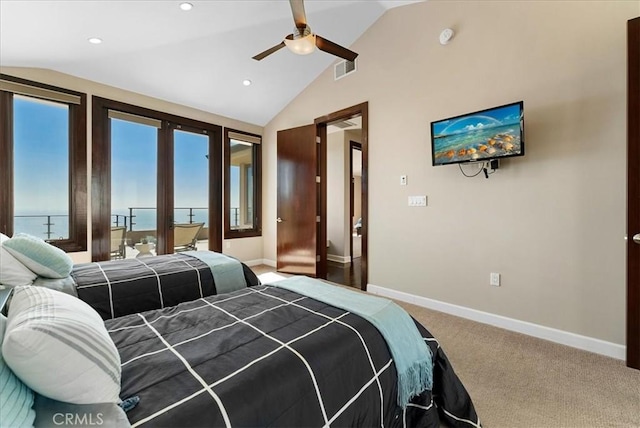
134, 186
153, 171
190, 189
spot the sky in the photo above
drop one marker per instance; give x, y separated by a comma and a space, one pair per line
474, 121
41, 156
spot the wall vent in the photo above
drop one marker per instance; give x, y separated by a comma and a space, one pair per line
343, 68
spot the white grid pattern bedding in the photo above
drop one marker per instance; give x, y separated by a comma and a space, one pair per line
264, 356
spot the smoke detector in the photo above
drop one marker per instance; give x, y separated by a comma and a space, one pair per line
445, 36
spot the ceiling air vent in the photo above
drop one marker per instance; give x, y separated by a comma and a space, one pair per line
344, 124
343, 68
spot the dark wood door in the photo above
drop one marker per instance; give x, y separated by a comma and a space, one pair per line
297, 200
633, 195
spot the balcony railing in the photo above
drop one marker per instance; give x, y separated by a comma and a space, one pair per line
61, 232
133, 220
136, 219
234, 217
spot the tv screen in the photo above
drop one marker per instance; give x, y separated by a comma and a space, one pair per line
480, 136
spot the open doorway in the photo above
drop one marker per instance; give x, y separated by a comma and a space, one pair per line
344, 208
356, 200
343, 171
302, 243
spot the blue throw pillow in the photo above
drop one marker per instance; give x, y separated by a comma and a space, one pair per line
41, 257
16, 398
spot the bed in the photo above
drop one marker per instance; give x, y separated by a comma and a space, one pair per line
121, 287
265, 356
257, 356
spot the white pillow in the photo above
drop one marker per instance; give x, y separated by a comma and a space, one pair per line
59, 346
12, 272
16, 399
41, 257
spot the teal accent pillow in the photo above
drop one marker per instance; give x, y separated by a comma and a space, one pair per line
41, 257
16, 398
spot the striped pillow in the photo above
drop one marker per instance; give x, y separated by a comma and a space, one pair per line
59, 346
41, 257
12, 272
16, 399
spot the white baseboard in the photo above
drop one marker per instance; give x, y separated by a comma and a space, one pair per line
256, 262
267, 262
585, 343
338, 259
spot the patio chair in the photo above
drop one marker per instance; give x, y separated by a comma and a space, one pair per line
118, 234
185, 236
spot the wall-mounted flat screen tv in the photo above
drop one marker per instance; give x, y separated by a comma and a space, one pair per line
480, 136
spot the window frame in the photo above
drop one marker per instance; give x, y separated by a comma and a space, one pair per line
101, 174
257, 187
77, 240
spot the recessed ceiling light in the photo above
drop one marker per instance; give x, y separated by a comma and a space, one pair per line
186, 6
95, 40
246, 82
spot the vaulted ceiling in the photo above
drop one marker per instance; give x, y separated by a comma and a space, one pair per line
198, 58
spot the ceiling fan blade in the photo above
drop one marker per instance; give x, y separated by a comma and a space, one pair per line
269, 51
335, 49
297, 9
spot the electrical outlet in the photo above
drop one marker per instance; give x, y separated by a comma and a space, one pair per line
403, 180
494, 279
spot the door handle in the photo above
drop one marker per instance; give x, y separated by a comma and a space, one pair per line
636, 238
279, 220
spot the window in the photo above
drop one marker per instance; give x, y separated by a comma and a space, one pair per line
242, 184
43, 163
151, 172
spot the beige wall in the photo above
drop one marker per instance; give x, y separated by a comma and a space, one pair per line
336, 208
249, 250
553, 222
339, 225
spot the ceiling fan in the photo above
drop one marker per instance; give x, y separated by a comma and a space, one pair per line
303, 41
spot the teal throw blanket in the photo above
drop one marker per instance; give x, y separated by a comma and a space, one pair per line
410, 353
228, 274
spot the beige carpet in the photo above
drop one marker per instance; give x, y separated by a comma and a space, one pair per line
520, 381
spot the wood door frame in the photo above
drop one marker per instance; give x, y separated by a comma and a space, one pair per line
321, 123
633, 196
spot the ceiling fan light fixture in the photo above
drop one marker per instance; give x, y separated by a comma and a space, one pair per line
302, 45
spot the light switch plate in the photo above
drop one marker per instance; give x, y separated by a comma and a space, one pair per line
494, 279
417, 201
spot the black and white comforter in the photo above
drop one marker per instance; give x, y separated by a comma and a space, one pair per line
121, 287
264, 356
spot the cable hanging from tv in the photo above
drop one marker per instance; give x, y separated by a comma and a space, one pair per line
493, 165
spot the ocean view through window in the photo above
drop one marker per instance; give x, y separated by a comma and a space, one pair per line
41, 168
191, 177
